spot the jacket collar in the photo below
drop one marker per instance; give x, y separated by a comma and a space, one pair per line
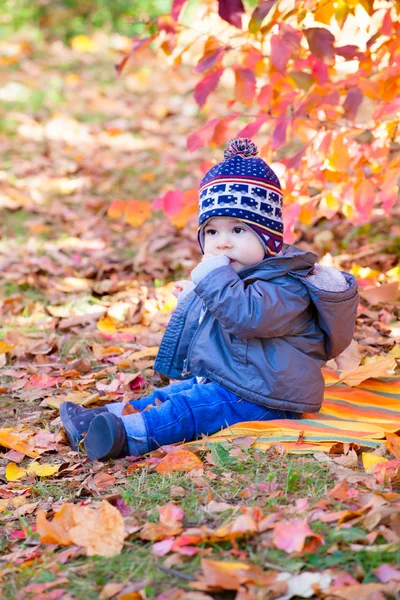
288, 260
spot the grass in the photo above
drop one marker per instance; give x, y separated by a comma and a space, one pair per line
236, 483
295, 477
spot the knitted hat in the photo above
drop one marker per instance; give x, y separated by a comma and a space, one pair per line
244, 187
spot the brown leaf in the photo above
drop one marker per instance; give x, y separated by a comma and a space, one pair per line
101, 532
370, 370
393, 444
218, 575
387, 292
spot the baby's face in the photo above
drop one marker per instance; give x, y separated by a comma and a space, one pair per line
232, 238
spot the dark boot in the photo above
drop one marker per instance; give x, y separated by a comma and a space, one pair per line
106, 438
76, 420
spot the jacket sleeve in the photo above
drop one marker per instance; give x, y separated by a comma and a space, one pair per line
262, 309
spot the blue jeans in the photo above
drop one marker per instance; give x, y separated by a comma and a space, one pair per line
188, 410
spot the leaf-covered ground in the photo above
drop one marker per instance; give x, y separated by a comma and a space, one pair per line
84, 300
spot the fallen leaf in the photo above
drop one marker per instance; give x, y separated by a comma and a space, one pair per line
393, 444
14, 472
387, 572
291, 536
56, 531
387, 292
101, 532
218, 575
370, 460
370, 370
179, 460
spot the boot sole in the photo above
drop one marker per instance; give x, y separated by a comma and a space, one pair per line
105, 438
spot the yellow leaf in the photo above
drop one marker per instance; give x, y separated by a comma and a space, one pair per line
81, 398
325, 11
82, 43
14, 472
145, 353
370, 460
4, 347
106, 325
42, 470
11, 503
328, 206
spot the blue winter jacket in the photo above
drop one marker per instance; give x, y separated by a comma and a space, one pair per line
266, 332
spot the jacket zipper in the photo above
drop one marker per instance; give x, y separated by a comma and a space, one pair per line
186, 361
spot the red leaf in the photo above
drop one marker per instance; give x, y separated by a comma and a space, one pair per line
389, 193
202, 136
320, 42
364, 200
265, 95
290, 35
349, 52
280, 53
290, 536
290, 215
252, 128
245, 88
320, 71
259, 15
176, 8
279, 136
386, 27
231, 11
170, 203
386, 108
352, 102
207, 85
208, 60
294, 161
138, 46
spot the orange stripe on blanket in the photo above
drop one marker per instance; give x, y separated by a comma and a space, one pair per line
362, 414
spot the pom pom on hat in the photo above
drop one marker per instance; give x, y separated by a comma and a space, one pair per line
242, 147
244, 187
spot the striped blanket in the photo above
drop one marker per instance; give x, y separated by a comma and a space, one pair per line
360, 415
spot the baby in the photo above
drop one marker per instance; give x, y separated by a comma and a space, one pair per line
250, 332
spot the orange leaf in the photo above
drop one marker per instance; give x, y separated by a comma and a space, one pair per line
393, 444
245, 87
179, 460
231, 575
170, 524
56, 531
136, 212
10, 439
116, 209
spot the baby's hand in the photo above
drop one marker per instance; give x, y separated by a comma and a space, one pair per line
180, 286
